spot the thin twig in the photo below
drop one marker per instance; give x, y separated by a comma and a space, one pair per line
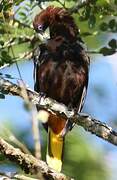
8, 135
99, 52
34, 120
12, 42
26, 55
36, 136
12, 50
61, 3
35, 130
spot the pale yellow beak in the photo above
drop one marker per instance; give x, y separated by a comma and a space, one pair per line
44, 36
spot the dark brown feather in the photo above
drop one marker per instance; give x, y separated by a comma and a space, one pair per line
62, 66
61, 71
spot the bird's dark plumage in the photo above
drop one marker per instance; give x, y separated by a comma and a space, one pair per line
62, 67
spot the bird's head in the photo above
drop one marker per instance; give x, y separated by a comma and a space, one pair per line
57, 19
47, 17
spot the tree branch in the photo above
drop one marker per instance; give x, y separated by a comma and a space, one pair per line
29, 163
11, 175
87, 122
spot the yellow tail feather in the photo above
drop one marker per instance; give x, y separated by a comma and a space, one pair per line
55, 150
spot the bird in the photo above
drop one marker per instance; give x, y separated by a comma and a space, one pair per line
61, 72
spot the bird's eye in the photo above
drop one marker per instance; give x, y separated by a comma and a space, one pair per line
40, 27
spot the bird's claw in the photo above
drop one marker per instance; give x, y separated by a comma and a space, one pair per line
42, 95
68, 127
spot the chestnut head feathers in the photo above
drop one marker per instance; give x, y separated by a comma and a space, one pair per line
59, 21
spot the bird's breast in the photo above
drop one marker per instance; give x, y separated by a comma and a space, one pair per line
61, 81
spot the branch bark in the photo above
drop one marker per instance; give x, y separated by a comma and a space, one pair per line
29, 163
90, 124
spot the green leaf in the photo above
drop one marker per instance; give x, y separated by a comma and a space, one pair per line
17, 2
113, 43
104, 26
82, 18
8, 76
4, 53
115, 2
112, 23
2, 96
107, 51
1, 43
92, 21
5, 56
87, 12
22, 14
2, 31
1, 7
7, 6
86, 34
5, 92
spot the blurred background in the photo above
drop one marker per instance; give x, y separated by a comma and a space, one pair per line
86, 157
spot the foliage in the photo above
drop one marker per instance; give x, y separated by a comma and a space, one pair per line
94, 18
17, 33
81, 160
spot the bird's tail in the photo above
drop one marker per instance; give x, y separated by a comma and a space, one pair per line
54, 150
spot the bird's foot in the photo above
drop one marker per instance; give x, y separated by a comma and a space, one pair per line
42, 95
68, 127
